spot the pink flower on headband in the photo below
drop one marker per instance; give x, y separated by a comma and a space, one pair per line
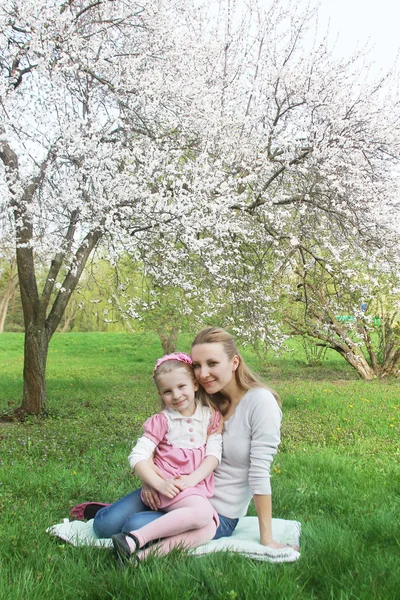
181, 356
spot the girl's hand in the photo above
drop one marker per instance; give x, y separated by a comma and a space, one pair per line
183, 482
151, 497
169, 489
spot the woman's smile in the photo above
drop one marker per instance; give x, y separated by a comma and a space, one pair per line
206, 383
213, 368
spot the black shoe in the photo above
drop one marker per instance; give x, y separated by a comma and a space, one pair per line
122, 549
91, 510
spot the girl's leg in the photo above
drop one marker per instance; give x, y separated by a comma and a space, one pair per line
189, 539
127, 513
190, 513
141, 519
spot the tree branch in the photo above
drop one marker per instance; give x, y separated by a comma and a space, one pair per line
58, 259
71, 280
82, 12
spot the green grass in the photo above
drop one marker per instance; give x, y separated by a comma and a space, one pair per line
337, 472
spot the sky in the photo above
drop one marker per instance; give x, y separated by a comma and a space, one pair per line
357, 21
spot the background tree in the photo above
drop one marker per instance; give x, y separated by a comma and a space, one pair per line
94, 304
217, 129
8, 287
350, 307
307, 148
91, 97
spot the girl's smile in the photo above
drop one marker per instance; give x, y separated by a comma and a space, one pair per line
177, 391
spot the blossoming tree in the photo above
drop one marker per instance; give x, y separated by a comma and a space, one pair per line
305, 156
350, 306
215, 128
95, 110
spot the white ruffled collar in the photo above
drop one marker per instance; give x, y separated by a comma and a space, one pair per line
175, 414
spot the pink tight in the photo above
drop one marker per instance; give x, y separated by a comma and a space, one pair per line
187, 523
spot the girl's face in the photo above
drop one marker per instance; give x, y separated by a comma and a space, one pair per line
177, 390
213, 369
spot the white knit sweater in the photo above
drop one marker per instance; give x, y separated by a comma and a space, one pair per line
250, 441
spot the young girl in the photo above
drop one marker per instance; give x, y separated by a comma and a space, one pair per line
186, 440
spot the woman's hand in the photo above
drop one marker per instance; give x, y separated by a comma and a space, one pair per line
263, 506
271, 543
151, 497
150, 494
183, 482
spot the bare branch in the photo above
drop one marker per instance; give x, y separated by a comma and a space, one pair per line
82, 12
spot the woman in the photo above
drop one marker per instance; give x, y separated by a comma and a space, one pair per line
252, 418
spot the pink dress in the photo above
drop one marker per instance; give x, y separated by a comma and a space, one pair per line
180, 445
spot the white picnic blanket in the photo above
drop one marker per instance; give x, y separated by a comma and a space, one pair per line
245, 539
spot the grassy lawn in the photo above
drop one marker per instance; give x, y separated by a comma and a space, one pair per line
337, 472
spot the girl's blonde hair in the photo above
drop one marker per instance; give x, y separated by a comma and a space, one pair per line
172, 365
245, 378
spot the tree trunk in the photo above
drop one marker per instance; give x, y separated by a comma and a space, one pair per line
12, 285
390, 367
35, 360
69, 317
4, 304
40, 318
370, 349
392, 371
360, 364
39, 328
169, 340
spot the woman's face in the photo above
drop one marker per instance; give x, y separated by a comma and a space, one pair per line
213, 369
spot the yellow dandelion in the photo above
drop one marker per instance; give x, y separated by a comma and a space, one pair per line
351, 406
339, 428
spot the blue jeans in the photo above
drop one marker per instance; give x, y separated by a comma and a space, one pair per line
129, 513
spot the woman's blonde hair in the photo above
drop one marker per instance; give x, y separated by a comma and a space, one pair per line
245, 378
172, 365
